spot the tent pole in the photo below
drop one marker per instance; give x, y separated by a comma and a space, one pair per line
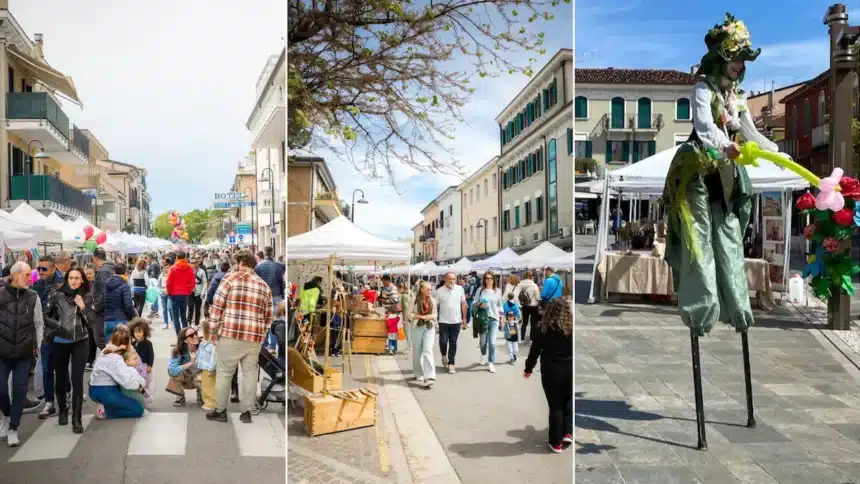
601, 232
328, 323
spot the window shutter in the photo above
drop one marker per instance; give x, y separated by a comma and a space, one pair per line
540, 159
554, 92
652, 148
636, 145
625, 150
588, 149
609, 151
545, 99
504, 181
682, 108
502, 135
569, 140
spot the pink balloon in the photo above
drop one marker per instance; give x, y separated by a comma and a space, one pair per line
101, 238
34, 276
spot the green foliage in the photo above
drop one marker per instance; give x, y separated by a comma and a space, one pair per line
161, 228
838, 265
381, 82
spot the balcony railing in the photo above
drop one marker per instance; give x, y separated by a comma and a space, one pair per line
81, 141
52, 189
133, 204
36, 106
643, 121
326, 196
821, 136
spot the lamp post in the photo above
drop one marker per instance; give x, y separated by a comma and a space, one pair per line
271, 180
253, 209
482, 222
27, 169
362, 200
99, 189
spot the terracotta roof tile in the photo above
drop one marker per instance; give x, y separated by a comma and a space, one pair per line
611, 75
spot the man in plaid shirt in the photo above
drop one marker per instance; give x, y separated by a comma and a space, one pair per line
241, 315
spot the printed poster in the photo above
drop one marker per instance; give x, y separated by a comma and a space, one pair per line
773, 243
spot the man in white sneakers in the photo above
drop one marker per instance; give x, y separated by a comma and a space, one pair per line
452, 317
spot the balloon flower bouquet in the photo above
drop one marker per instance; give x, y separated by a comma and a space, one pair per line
179, 234
92, 239
835, 213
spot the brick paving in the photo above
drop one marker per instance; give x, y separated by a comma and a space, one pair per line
635, 416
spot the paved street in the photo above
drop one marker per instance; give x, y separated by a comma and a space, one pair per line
170, 445
471, 427
635, 416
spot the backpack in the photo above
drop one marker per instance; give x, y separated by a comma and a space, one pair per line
525, 299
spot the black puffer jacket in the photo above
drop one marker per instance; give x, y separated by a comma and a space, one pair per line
118, 305
65, 319
17, 323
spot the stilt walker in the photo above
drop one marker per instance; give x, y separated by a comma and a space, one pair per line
709, 197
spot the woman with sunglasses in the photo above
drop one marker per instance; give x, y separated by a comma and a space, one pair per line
486, 314
182, 367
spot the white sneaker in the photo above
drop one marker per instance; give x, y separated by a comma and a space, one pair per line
419, 379
483, 360
12, 438
4, 427
451, 370
492, 368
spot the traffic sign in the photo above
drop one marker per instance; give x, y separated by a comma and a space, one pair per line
243, 228
274, 230
231, 240
241, 237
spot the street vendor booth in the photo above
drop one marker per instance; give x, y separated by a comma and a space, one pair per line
627, 271
338, 242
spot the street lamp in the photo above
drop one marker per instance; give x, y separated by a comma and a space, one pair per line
271, 180
253, 209
482, 222
352, 207
27, 169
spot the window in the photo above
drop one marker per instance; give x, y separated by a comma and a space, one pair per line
643, 113
806, 115
582, 149
494, 181
821, 107
682, 109
471, 195
478, 193
450, 210
516, 216
472, 233
794, 131
495, 225
465, 200
553, 92
552, 187
540, 159
504, 181
617, 151
523, 174
532, 168
506, 220
539, 209
580, 107
486, 189
465, 234
527, 208
643, 149
442, 219
545, 99
11, 84
569, 140
617, 113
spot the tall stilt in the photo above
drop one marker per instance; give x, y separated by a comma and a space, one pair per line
748, 380
697, 387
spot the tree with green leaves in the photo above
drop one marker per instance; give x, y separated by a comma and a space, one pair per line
380, 82
161, 228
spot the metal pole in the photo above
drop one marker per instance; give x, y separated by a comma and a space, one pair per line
29, 167
697, 388
748, 380
352, 207
272, 197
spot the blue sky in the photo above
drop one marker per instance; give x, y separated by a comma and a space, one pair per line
391, 214
670, 33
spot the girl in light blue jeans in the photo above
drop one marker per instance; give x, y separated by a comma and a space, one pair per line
490, 298
424, 317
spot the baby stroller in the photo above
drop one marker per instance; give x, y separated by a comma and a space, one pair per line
274, 368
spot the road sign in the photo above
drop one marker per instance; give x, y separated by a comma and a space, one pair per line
231, 240
231, 205
274, 230
243, 229
241, 237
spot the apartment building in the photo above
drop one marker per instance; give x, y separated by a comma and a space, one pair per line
243, 220
132, 180
313, 199
535, 166
480, 212
267, 127
450, 249
39, 137
428, 238
622, 116
768, 110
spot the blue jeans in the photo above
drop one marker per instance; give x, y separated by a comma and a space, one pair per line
165, 301
20, 371
47, 371
488, 341
271, 340
391, 345
179, 312
110, 326
116, 404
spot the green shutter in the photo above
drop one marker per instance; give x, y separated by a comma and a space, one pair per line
569, 140
588, 149
682, 108
625, 150
636, 151
545, 99
609, 151
554, 92
652, 148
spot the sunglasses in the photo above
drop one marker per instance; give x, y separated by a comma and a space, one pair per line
43, 269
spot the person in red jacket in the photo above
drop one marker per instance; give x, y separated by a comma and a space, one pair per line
180, 285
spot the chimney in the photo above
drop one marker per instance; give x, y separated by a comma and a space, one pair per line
39, 47
693, 69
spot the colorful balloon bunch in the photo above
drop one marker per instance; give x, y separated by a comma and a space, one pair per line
91, 242
178, 227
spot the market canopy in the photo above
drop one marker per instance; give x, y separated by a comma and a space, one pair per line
347, 243
31, 221
649, 175
544, 255
504, 259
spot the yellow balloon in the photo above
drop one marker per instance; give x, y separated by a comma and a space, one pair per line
750, 152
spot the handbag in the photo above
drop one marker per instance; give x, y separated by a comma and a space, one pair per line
206, 356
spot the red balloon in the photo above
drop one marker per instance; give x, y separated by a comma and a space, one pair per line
101, 238
88, 232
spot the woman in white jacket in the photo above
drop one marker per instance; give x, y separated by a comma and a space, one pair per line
529, 298
111, 372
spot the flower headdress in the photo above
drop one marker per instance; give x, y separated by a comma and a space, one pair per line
727, 42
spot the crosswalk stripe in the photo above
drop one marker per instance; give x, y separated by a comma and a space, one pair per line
159, 434
265, 436
50, 441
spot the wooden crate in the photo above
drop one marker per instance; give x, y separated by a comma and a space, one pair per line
365, 326
370, 345
339, 411
301, 374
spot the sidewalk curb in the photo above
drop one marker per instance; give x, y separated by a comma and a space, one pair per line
397, 456
425, 457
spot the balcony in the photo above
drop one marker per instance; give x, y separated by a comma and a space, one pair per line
36, 115
641, 123
51, 193
134, 204
264, 202
428, 236
327, 205
820, 136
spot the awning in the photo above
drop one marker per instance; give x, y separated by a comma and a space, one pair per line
53, 78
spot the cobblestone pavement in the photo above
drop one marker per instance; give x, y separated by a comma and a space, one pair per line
635, 416
357, 455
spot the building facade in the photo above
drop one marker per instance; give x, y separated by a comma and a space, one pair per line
267, 127
622, 116
132, 181
241, 218
535, 167
479, 195
38, 137
450, 249
312, 195
417, 245
429, 238
807, 124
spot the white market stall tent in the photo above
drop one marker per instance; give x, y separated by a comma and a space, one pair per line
648, 178
544, 255
347, 243
504, 259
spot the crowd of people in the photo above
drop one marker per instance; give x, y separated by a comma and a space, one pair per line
87, 316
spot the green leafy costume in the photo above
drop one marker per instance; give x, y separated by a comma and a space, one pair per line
709, 196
